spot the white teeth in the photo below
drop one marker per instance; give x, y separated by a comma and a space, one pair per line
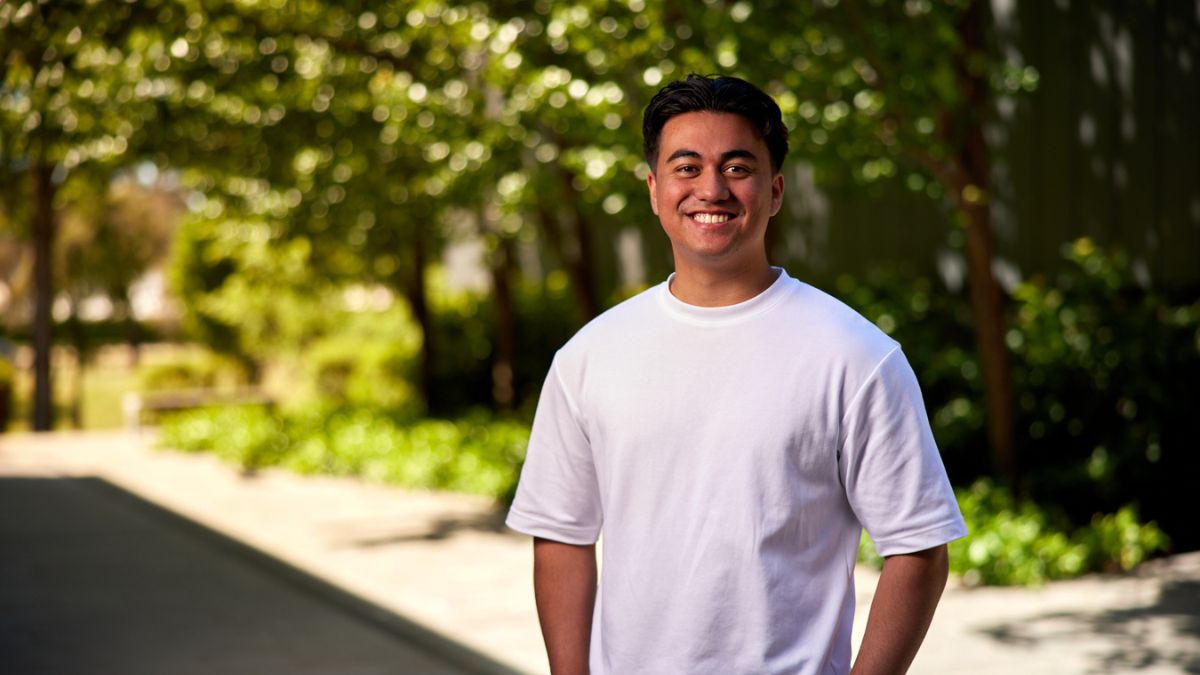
710, 218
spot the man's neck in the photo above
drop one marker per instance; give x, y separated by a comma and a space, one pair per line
712, 288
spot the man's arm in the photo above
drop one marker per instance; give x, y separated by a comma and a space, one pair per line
564, 585
907, 594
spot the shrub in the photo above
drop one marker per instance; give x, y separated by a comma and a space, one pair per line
473, 454
1119, 541
191, 370
1025, 544
250, 436
1102, 378
1103, 374
369, 360
464, 326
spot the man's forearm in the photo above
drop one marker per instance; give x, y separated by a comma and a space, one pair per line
564, 584
908, 592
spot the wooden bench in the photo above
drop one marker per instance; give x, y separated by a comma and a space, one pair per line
141, 407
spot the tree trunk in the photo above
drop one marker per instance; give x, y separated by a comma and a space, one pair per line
78, 336
416, 293
578, 270
43, 278
988, 309
504, 358
972, 195
6, 398
583, 266
133, 332
574, 256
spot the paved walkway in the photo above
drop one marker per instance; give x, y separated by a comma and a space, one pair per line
95, 581
130, 559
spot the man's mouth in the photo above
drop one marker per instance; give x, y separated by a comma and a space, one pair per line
711, 218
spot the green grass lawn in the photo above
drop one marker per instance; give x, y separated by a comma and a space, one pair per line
105, 383
103, 389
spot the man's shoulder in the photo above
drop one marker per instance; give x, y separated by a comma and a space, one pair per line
825, 322
613, 327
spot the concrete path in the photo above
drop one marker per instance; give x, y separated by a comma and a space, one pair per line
341, 576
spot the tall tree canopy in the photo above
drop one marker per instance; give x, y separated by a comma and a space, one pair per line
328, 143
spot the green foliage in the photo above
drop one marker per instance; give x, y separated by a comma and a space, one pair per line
1103, 374
346, 343
350, 142
247, 296
465, 333
194, 273
1119, 541
205, 370
1011, 544
548, 316
473, 454
249, 435
1102, 379
1025, 544
115, 231
367, 360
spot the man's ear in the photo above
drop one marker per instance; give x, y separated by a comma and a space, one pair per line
653, 193
776, 193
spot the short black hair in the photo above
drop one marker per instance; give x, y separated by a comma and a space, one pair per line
722, 94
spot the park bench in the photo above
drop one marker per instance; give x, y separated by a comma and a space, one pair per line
147, 407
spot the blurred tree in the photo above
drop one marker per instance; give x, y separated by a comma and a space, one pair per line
113, 233
36, 132
331, 144
72, 93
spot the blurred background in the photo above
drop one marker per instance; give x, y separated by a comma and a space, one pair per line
347, 237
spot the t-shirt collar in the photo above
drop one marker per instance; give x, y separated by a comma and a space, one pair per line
728, 313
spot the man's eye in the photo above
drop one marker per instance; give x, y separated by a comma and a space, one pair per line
736, 169
686, 168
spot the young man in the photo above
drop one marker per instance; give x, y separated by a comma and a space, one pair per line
731, 430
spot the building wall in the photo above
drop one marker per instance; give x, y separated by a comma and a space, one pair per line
1107, 146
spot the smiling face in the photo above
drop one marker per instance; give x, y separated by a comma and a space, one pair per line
714, 189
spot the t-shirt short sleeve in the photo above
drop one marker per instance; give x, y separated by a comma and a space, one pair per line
558, 496
890, 466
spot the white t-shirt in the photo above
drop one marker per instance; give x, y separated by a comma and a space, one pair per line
731, 456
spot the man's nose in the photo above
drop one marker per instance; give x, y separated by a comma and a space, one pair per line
712, 187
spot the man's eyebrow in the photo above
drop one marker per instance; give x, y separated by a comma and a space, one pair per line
736, 153
680, 154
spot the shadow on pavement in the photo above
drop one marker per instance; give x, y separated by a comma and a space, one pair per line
1129, 633
95, 579
441, 529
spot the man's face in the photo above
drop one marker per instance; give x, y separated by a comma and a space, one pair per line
714, 190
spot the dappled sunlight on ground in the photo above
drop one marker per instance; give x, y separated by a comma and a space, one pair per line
445, 562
